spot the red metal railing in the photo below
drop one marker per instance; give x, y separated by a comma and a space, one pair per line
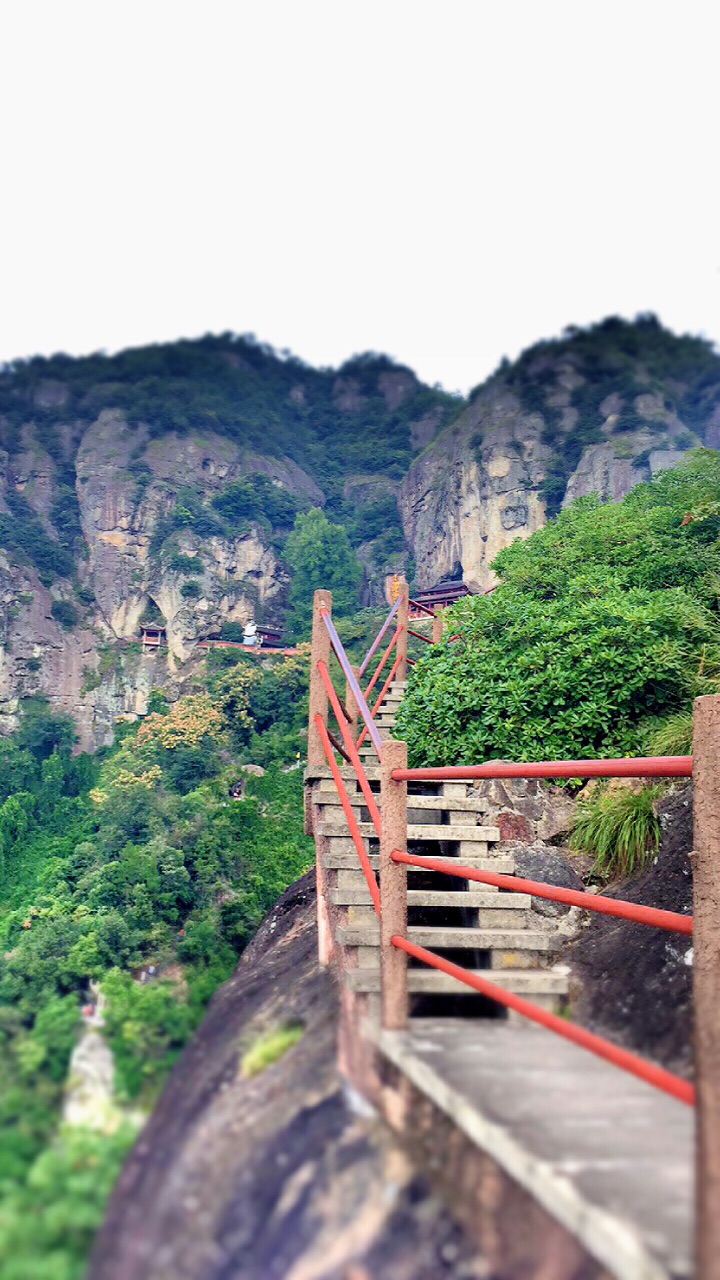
350, 818
383, 660
640, 767
665, 1080
381, 696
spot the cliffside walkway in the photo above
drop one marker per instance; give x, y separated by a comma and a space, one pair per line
565, 1156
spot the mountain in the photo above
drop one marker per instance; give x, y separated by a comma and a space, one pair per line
159, 485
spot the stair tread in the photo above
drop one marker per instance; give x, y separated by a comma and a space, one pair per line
437, 804
416, 831
446, 937
349, 861
360, 897
429, 981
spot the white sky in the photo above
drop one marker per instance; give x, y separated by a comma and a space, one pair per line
446, 181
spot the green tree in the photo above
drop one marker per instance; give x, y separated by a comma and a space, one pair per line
320, 555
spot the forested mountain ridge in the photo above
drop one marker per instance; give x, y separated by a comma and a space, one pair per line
161, 484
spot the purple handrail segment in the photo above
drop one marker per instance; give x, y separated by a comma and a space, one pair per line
379, 636
349, 674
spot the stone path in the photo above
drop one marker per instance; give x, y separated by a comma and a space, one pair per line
608, 1155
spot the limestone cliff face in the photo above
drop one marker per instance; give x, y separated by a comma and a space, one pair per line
474, 490
120, 516
126, 485
482, 483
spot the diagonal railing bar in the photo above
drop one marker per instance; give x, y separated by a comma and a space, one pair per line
419, 635
625, 767
351, 678
670, 920
349, 815
380, 698
384, 659
647, 1071
379, 636
350, 750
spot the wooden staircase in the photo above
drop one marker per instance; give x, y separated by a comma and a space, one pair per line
479, 928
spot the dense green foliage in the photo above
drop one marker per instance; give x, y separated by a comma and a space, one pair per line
159, 851
605, 623
320, 555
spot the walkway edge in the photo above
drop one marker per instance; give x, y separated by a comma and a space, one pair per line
610, 1241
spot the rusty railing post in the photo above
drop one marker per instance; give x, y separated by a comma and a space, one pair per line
319, 652
402, 643
437, 625
706, 981
393, 888
351, 703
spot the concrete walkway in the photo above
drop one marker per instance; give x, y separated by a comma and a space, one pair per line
608, 1156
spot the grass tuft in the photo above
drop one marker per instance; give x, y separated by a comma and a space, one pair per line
270, 1047
619, 828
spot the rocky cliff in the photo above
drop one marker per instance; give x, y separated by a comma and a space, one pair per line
113, 468
594, 413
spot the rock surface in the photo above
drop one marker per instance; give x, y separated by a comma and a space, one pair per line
281, 1176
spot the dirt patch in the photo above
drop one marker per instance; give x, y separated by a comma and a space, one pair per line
632, 981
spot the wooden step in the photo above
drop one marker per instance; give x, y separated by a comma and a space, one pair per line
347, 860
524, 982
440, 804
444, 939
360, 897
468, 835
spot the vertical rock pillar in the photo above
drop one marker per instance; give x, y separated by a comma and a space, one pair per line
706, 980
393, 887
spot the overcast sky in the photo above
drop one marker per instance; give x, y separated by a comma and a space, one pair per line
445, 181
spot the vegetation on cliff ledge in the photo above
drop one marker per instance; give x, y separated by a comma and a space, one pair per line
605, 624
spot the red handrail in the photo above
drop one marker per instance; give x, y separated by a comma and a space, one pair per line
381, 695
383, 660
349, 815
671, 920
647, 1071
633, 767
350, 748
419, 635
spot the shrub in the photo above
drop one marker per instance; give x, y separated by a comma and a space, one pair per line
673, 737
180, 563
191, 590
619, 827
66, 613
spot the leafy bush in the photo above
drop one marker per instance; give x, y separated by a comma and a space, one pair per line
191, 590
66, 613
256, 498
180, 563
619, 827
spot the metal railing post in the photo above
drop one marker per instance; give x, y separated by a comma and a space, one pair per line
706, 981
319, 652
437, 625
402, 617
393, 888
